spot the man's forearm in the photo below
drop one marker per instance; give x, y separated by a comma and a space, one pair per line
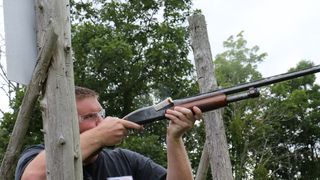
178, 162
36, 169
89, 144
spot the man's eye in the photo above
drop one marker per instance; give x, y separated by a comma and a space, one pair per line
89, 116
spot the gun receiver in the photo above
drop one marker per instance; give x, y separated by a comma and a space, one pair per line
215, 99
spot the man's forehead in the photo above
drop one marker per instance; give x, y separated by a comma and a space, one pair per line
90, 104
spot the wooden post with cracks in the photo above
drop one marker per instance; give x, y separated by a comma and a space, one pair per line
60, 124
55, 68
216, 144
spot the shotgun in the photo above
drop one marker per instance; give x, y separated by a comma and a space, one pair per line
213, 100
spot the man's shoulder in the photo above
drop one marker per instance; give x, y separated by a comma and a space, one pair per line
34, 147
32, 150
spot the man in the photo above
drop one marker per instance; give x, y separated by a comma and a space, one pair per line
97, 132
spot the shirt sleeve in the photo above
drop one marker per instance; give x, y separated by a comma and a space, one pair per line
25, 158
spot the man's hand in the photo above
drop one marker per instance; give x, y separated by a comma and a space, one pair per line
182, 119
111, 130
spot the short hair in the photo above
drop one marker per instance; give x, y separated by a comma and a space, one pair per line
82, 93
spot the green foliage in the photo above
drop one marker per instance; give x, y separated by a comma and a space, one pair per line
134, 53
277, 135
296, 127
235, 66
260, 172
126, 53
34, 134
238, 63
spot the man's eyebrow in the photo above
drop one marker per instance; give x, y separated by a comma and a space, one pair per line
87, 115
93, 113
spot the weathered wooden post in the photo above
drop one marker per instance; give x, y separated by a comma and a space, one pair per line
216, 144
55, 68
60, 124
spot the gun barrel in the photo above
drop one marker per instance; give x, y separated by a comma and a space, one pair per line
273, 79
254, 84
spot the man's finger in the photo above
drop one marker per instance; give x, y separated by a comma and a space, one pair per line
197, 112
130, 125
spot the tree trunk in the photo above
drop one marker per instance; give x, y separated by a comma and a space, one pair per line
215, 131
204, 164
61, 128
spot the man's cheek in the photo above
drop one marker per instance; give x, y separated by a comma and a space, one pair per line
84, 126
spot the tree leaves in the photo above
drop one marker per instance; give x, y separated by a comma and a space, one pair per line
134, 53
274, 136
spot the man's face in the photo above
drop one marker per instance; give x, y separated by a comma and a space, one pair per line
88, 109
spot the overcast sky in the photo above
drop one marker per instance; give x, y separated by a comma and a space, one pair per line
288, 30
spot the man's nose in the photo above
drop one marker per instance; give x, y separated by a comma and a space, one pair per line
99, 119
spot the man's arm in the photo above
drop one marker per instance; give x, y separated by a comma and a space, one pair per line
182, 119
36, 169
107, 133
